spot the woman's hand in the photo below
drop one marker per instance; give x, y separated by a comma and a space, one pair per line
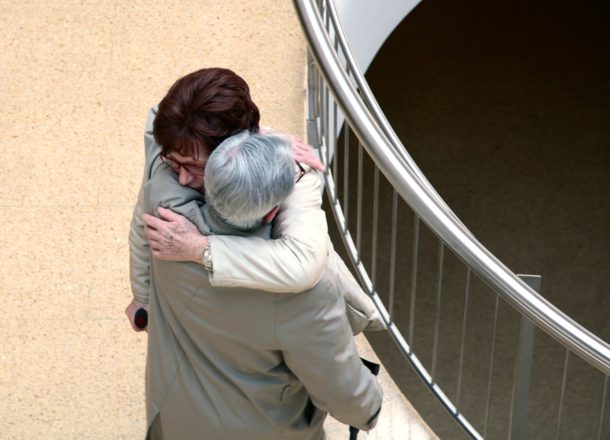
172, 237
303, 153
131, 310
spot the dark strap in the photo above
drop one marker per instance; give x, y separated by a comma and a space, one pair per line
353, 433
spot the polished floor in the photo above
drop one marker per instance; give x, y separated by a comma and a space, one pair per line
76, 80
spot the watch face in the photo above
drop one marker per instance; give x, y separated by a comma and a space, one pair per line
207, 258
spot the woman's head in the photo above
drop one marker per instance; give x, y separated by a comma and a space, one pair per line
201, 110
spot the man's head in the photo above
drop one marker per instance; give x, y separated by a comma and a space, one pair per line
247, 176
198, 112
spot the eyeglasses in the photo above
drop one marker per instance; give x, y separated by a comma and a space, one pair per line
299, 173
196, 169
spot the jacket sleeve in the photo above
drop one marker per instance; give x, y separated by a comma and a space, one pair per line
139, 251
315, 338
361, 311
294, 261
139, 255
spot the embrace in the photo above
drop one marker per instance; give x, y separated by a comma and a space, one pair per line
251, 312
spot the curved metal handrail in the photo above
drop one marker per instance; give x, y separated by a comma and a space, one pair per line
381, 144
372, 104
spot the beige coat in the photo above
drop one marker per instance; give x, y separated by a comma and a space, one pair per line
236, 363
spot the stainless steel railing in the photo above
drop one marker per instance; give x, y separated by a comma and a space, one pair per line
338, 90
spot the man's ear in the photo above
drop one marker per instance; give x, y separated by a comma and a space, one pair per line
268, 218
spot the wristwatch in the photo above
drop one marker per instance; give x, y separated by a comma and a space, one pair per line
206, 258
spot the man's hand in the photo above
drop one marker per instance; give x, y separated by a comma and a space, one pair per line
131, 310
303, 153
173, 237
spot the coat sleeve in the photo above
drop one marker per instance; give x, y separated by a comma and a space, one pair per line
315, 338
139, 251
361, 311
294, 261
139, 255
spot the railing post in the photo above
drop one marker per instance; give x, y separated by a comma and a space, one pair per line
523, 368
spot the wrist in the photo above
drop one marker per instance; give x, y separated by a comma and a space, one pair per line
206, 258
199, 246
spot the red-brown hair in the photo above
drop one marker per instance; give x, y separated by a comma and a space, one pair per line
202, 109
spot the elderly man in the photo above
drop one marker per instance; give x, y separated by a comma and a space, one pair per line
237, 363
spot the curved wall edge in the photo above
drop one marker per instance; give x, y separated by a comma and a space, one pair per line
367, 24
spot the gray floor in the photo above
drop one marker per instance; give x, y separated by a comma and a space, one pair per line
505, 106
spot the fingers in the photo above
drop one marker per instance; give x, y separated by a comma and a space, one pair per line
157, 250
165, 216
152, 221
160, 255
301, 145
310, 159
168, 214
315, 163
153, 232
157, 243
130, 311
304, 153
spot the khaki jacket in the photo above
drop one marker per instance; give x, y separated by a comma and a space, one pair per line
237, 363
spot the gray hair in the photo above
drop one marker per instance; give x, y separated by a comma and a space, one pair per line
247, 176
